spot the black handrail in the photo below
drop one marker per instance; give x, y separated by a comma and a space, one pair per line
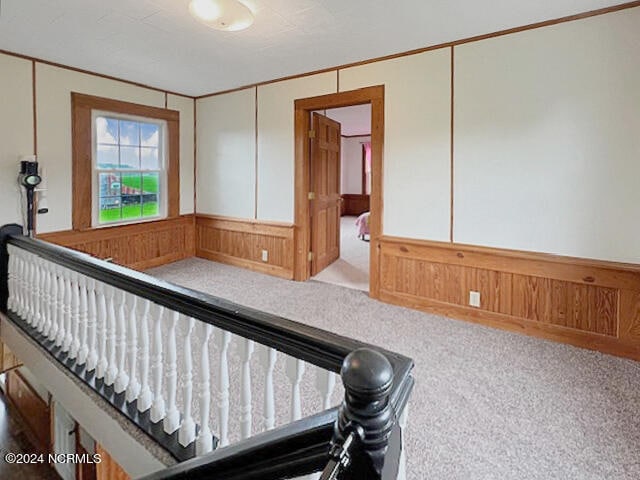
375, 395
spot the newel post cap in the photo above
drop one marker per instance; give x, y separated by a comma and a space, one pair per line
367, 373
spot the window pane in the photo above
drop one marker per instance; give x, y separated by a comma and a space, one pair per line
109, 184
149, 158
110, 209
129, 133
131, 207
150, 182
131, 183
149, 135
106, 130
130, 157
107, 156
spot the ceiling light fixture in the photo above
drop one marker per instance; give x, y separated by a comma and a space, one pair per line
226, 15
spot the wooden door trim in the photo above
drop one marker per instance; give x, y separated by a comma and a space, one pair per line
375, 96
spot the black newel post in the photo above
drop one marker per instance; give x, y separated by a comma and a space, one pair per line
366, 420
5, 231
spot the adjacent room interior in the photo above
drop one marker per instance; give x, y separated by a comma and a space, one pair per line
351, 267
320, 239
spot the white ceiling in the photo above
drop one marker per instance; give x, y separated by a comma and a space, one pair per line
157, 42
355, 120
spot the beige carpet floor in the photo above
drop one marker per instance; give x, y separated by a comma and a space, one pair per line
351, 270
488, 404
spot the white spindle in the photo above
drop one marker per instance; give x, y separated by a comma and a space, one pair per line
38, 291
222, 395
246, 350
79, 317
42, 320
204, 442
145, 398
22, 282
101, 328
325, 383
402, 468
88, 353
295, 369
122, 379
112, 320
55, 303
187, 433
158, 406
48, 299
72, 324
11, 278
64, 307
268, 357
172, 418
133, 389
30, 312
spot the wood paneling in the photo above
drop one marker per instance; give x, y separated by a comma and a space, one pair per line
355, 203
240, 242
34, 410
139, 246
8, 361
591, 304
108, 468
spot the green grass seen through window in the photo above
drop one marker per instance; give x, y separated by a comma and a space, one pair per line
129, 212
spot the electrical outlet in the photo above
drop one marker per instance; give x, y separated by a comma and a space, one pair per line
265, 255
474, 298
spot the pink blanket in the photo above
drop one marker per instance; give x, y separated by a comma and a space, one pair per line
362, 222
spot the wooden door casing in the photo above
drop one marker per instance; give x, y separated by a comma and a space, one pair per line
325, 182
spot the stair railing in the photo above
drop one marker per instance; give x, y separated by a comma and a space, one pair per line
136, 340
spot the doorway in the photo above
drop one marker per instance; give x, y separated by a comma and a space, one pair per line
340, 169
305, 246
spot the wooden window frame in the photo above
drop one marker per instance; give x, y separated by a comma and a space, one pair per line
82, 107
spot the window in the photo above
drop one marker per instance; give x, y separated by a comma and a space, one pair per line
128, 169
125, 162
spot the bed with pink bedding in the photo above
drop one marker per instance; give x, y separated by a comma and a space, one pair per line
362, 223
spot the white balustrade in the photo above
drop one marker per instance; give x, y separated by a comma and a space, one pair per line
204, 442
112, 369
268, 357
295, 370
133, 388
325, 383
122, 379
101, 327
158, 408
246, 350
146, 397
131, 343
222, 394
187, 432
172, 419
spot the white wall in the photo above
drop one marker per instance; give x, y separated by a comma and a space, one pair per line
416, 141
226, 135
185, 106
351, 164
16, 131
276, 141
547, 139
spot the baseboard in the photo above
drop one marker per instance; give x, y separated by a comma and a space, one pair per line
241, 242
587, 303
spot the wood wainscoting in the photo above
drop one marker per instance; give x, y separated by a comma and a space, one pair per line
586, 303
138, 246
355, 203
240, 242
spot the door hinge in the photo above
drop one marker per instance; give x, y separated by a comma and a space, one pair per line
311, 196
310, 256
312, 134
